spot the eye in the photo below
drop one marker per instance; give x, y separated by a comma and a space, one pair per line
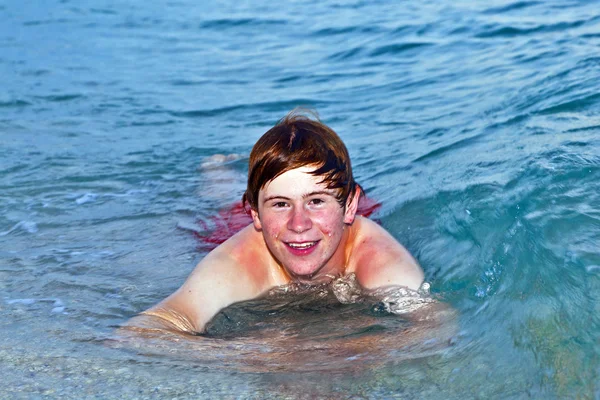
317, 202
280, 204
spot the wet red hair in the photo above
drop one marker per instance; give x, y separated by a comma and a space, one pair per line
297, 141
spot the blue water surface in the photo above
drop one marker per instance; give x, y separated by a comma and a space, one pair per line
475, 124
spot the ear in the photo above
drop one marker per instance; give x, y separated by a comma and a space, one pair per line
352, 206
255, 219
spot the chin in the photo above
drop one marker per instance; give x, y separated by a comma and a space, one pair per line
303, 272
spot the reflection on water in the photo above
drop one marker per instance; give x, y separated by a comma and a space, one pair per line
298, 327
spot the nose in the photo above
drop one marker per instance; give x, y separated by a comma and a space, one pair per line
299, 220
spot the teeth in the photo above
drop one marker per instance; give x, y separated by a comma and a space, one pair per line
301, 245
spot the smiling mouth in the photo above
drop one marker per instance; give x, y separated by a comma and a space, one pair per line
302, 246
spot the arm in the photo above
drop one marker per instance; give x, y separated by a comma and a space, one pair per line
215, 283
391, 274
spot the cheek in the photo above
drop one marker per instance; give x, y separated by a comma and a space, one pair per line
271, 226
331, 227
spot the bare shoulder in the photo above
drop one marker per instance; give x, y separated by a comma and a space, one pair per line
227, 275
379, 260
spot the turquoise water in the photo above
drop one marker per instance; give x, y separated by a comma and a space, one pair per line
476, 124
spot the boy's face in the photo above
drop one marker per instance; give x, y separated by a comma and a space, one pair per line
303, 224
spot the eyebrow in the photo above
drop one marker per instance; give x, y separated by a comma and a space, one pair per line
304, 196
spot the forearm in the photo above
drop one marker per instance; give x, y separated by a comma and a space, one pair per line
161, 319
437, 315
418, 307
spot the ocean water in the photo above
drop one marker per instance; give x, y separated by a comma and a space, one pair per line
475, 124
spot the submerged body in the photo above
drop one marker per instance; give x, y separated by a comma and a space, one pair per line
304, 229
303, 236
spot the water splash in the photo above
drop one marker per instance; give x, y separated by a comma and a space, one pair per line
394, 299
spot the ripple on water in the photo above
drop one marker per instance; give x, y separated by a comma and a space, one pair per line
59, 98
475, 125
21, 227
398, 48
14, 103
57, 304
516, 6
300, 327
